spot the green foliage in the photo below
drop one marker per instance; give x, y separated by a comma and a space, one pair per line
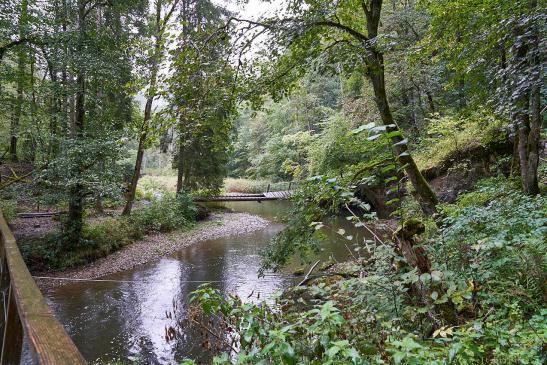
268, 337
497, 236
9, 209
202, 95
450, 137
101, 238
482, 302
274, 143
90, 164
164, 214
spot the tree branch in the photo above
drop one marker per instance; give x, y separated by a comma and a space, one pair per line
12, 44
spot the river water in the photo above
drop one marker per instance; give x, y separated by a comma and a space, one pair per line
123, 320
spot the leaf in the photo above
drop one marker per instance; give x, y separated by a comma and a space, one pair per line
341, 231
400, 143
362, 128
436, 275
434, 295
374, 137
331, 352
409, 344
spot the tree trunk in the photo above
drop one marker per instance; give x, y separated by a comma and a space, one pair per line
428, 199
527, 114
21, 64
375, 62
76, 200
154, 65
180, 165
132, 189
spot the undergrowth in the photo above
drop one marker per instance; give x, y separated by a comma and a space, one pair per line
51, 251
449, 135
481, 303
8, 209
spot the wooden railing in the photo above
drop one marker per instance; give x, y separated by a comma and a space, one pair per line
25, 314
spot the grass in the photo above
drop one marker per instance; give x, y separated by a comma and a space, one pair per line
253, 186
150, 185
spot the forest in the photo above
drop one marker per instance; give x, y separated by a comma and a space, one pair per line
408, 134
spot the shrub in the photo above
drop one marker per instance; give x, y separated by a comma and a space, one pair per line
450, 135
164, 214
9, 209
495, 236
100, 239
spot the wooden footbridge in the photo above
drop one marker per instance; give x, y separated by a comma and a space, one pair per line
26, 317
237, 197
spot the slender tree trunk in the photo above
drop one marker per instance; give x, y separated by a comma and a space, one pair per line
132, 189
532, 184
21, 65
76, 198
428, 199
154, 65
376, 73
65, 107
527, 115
430, 101
180, 165
33, 110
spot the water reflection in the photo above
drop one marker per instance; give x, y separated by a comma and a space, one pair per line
126, 318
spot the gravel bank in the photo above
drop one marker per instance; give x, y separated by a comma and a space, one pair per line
158, 245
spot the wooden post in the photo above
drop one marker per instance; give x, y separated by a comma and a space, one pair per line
290, 183
268, 190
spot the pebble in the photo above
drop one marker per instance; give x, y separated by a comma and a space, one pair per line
158, 245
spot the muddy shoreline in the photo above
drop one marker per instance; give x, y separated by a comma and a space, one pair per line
155, 246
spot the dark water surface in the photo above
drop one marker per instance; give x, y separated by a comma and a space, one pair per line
125, 319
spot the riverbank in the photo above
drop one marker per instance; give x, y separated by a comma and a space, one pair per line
155, 246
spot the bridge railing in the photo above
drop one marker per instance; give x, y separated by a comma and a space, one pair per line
25, 314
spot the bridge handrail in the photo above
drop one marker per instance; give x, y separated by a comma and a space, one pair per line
26, 314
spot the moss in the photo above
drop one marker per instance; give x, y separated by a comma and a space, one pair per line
409, 228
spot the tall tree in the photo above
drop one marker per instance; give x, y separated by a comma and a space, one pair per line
159, 26
202, 96
338, 32
503, 49
21, 78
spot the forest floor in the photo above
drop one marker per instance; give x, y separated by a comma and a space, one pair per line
154, 246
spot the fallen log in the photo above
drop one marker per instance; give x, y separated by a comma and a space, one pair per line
39, 214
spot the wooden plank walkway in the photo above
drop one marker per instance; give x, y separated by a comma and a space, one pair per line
272, 195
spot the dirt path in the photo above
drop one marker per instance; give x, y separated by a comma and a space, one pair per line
156, 246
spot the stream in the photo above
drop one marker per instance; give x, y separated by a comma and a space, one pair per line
124, 317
